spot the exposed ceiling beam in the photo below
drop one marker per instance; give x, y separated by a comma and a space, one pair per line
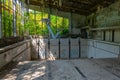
84, 7
103, 3
62, 8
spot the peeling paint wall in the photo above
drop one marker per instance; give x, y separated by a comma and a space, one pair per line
109, 16
78, 20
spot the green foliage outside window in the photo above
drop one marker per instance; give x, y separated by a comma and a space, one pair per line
36, 26
29, 23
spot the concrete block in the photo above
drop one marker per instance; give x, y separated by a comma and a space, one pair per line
64, 48
54, 48
74, 48
64, 52
91, 52
84, 50
74, 51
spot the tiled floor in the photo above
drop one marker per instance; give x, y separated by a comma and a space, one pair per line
82, 69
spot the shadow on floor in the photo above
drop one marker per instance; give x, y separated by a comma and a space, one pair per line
34, 70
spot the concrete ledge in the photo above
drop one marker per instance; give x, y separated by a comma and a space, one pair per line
99, 49
17, 52
7, 48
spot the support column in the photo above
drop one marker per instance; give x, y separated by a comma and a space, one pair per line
56, 20
14, 19
0, 19
70, 23
49, 13
35, 22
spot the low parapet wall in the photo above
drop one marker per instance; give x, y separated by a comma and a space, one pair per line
56, 48
17, 52
99, 49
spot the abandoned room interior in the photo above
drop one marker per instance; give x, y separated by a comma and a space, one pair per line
59, 39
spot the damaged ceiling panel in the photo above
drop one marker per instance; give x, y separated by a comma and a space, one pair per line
83, 7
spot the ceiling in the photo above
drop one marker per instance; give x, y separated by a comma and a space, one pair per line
83, 7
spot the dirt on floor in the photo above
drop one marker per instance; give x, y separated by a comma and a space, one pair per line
80, 69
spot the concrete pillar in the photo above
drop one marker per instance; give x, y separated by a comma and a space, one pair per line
49, 13
70, 23
0, 19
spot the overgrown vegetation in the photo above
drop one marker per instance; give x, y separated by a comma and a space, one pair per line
38, 27
29, 24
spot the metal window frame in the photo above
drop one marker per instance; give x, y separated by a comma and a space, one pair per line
0, 19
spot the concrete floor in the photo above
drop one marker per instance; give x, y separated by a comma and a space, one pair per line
82, 69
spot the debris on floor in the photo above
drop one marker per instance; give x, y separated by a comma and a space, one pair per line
81, 69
